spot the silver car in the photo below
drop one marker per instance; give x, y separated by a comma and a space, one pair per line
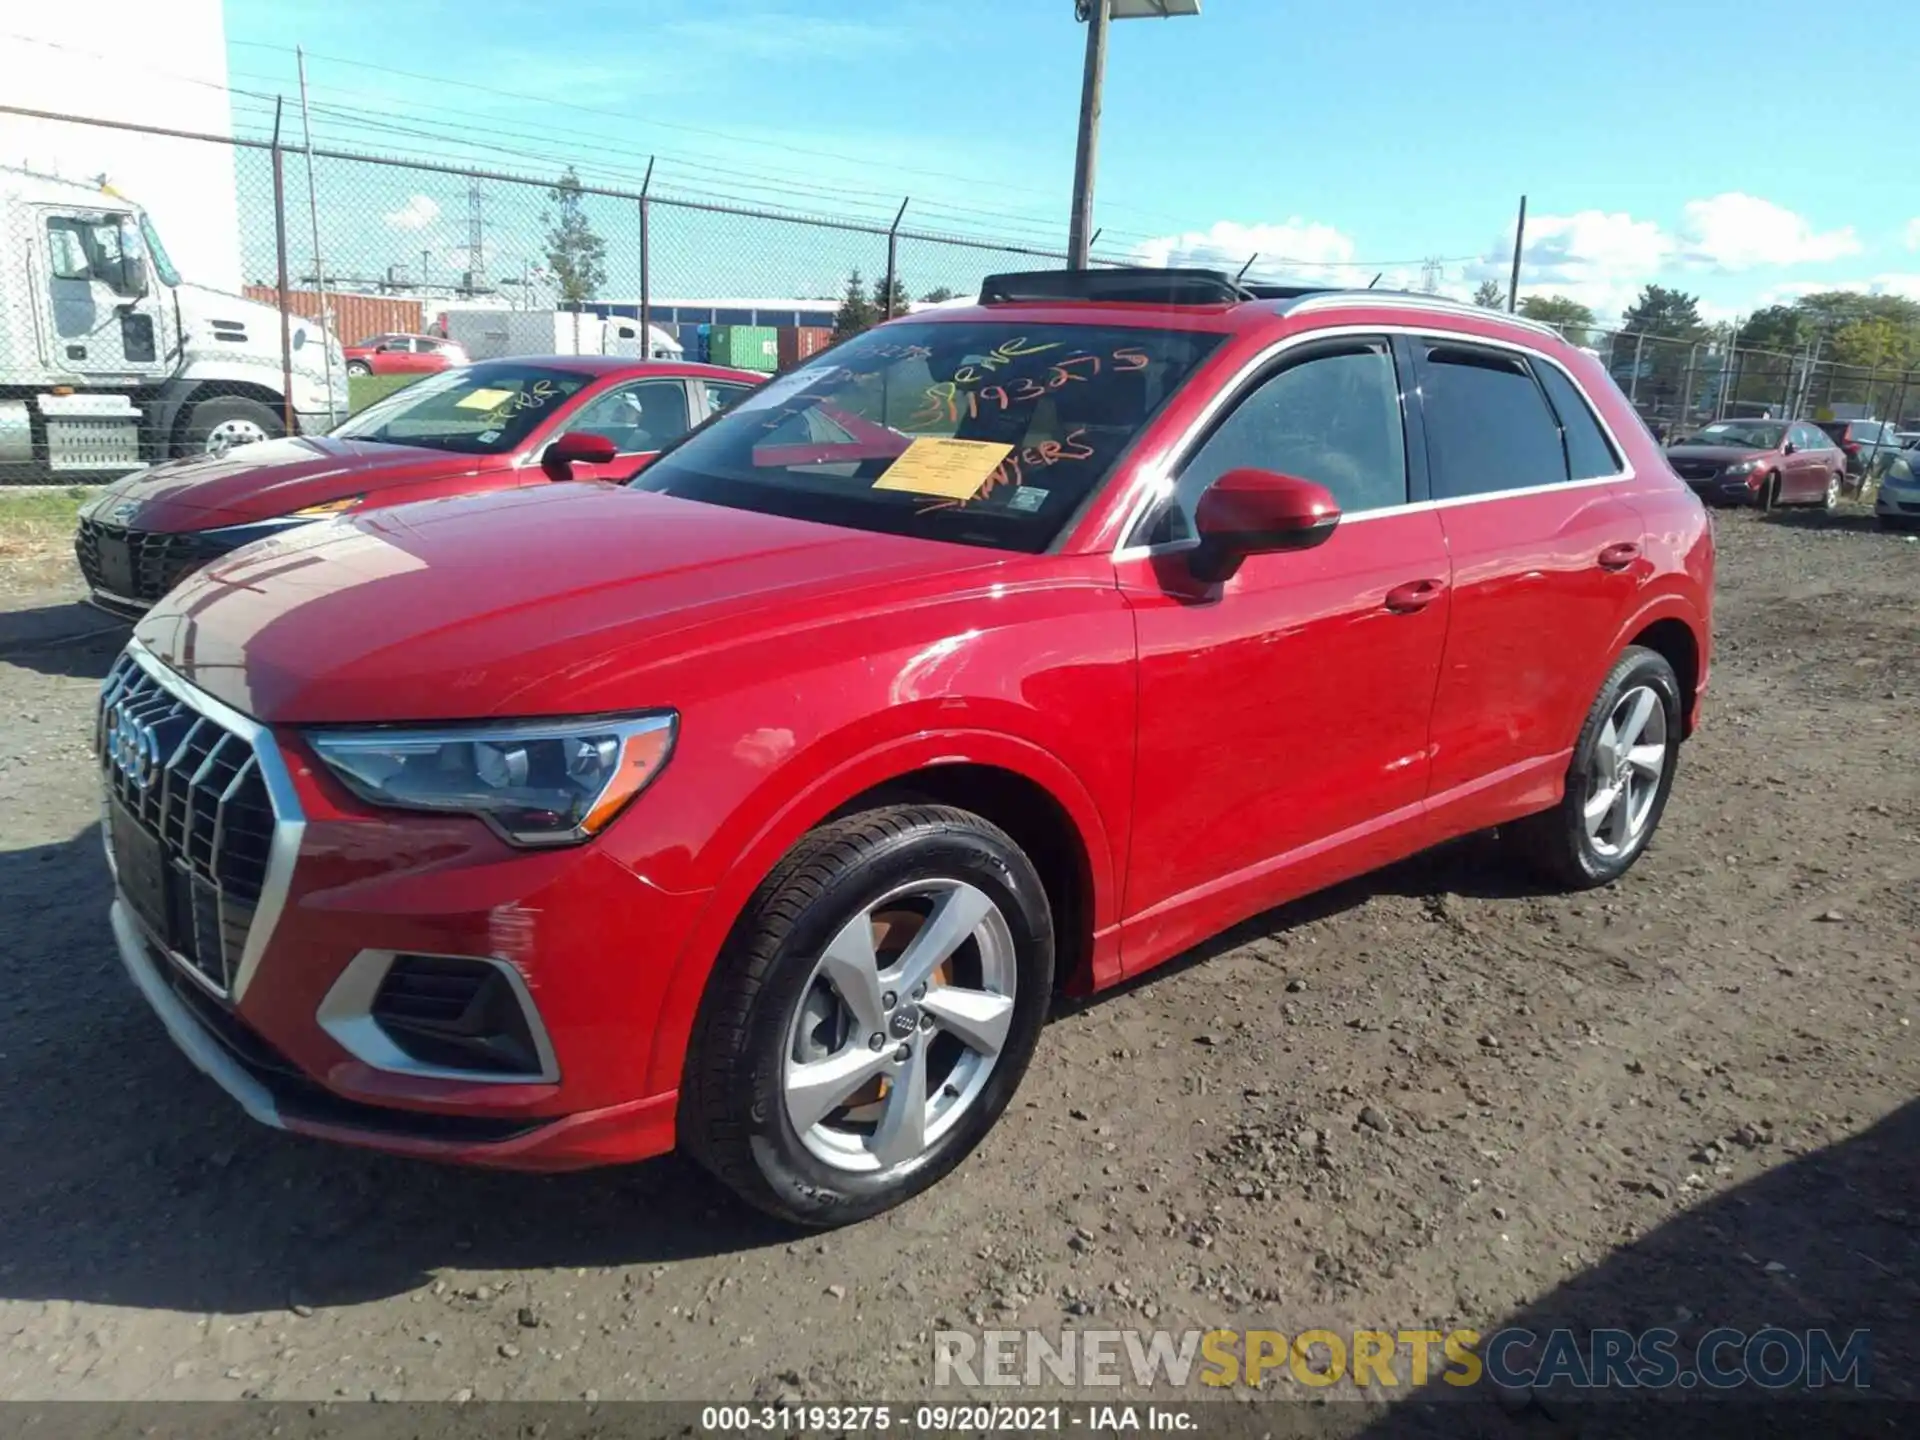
1898, 505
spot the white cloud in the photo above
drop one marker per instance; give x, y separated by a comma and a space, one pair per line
1597, 257
418, 213
1913, 233
1293, 249
1904, 284
1737, 232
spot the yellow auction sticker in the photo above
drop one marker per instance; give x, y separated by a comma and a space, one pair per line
952, 469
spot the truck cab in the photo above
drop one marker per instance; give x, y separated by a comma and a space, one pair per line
109, 360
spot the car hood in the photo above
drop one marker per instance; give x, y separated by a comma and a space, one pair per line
1719, 454
273, 477
522, 602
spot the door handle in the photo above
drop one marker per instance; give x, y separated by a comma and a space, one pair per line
1619, 557
1414, 596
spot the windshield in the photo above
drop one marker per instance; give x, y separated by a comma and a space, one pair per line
481, 410
1744, 433
982, 432
162, 264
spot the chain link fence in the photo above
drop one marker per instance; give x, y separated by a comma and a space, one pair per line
300, 285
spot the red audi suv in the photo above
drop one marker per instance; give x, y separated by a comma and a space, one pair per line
761, 806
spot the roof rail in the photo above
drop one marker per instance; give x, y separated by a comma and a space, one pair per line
1136, 284
1414, 300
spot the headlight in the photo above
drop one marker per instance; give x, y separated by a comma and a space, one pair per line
1745, 467
535, 782
328, 507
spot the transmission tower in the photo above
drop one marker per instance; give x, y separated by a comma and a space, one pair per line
476, 240
1430, 276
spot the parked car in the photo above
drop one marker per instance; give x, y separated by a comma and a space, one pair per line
403, 355
763, 806
1897, 505
1761, 462
1870, 446
493, 426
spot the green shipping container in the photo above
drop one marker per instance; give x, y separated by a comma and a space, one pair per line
745, 347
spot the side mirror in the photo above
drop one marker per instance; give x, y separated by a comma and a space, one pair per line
576, 447
1258, 512
1788, 448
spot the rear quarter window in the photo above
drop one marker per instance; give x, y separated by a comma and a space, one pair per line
1590, 456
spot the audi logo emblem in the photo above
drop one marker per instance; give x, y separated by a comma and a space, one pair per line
132, 747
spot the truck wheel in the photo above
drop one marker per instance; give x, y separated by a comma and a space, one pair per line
218, 425
871, 1015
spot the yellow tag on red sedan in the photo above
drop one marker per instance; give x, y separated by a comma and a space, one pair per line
951, 469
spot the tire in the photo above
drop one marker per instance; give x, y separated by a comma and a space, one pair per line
1831, 500
772, 1008
358, 367
1559, 843
216, 426
1769, 495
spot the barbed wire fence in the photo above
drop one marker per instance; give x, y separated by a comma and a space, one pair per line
345, 245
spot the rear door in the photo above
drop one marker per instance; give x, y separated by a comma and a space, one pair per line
1546, 551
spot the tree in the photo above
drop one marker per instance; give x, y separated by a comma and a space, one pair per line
577, 256
901, 300
1672, 314
856, 311
937, 294
1572, 318
1657, 358
1490, 296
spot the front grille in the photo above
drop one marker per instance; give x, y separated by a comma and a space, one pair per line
138, 565
1695, 469
191, 820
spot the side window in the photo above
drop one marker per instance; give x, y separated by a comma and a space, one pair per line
1488, 425
637, 417
720, 394
67, 249
1589, 456
1332, 415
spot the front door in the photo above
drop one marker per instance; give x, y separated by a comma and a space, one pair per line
1547, 562
1283, 714
641, 418
101, 322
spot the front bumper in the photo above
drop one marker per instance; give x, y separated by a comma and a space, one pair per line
263, 952
1727, 489
1898, 501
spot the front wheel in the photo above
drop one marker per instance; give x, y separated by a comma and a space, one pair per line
1832, 499
358, 368
871, 1015
1618, 781
1770, 494
217, 426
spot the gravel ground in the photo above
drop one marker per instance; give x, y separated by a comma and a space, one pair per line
1431, 1097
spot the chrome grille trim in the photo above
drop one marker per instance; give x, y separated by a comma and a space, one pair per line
195, 821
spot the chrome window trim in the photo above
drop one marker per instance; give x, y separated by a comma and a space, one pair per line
1129, 549
289, 820
346, 1014
1341, 299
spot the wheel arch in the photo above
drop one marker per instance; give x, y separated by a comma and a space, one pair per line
1676, 635
207, 390
1017, 785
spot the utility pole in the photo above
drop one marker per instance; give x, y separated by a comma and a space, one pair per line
476, 240
1430, 276
313, 211
1091, 78
1519, 240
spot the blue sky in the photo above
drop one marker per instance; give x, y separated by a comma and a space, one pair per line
1709, 144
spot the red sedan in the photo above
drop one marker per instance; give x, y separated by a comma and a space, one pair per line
493, 426
762, 807
403, 355
1767, 463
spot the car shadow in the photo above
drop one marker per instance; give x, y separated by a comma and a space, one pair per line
1474, 866
1826, 1240
132, 1180
1814, 518
62, 637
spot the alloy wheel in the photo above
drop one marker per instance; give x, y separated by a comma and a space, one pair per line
1623, 773
1833, 490
900, 1026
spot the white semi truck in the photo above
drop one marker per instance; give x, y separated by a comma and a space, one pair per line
109, 360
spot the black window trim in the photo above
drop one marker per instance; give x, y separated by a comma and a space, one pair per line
1249, 381
1534, 363
1132, 545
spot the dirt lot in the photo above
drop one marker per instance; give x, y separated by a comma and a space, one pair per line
1433, 1097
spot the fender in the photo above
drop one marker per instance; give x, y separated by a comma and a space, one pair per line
1667, 602
790, 819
